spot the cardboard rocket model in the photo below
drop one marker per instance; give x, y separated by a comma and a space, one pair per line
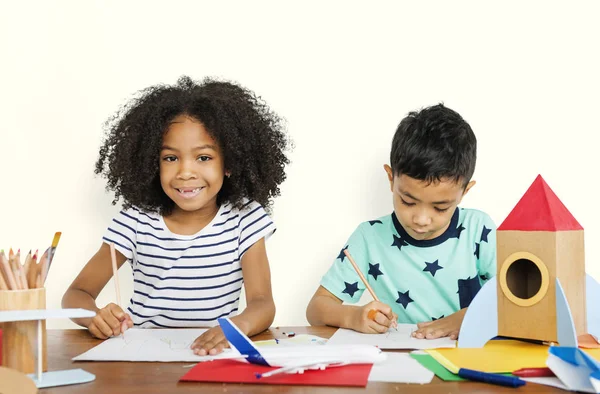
540, 288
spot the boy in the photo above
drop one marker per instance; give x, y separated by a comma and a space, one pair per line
428, 259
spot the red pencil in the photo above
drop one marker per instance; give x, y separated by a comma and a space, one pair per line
533, 372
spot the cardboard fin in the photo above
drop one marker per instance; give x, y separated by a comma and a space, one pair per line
480, 323
592, 289
565, 328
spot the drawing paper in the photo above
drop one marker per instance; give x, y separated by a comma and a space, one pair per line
392, 339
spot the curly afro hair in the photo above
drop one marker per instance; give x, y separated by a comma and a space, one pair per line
250, 135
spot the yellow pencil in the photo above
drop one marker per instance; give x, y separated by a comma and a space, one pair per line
364, 280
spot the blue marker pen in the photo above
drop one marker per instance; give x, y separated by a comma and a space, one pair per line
491, 378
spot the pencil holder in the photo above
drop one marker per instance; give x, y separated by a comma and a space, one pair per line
19, 339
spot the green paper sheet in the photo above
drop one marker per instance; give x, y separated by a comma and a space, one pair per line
431, 364
438, 369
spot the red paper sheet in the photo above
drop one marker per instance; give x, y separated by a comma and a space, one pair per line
231, 371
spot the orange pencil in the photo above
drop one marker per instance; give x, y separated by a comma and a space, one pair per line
8, 272
371, 315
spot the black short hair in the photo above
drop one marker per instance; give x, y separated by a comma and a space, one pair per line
434, 144
250, 135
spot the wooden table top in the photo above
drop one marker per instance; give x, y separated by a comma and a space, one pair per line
135, 377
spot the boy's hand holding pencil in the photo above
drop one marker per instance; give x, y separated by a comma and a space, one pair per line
373, 318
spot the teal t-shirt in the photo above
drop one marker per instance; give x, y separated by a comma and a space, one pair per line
421, 280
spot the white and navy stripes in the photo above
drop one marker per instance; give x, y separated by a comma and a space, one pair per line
187, 280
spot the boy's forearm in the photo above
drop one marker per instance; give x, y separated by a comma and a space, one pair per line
75, 298
257, 316
324, 310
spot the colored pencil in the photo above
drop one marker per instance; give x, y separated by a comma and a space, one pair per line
113, 259
43, 266
364, 280
8, 272
21, 267
51, 252
32, 271
3, 284
26, 266
15, 269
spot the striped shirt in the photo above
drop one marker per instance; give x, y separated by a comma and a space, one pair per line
187, 280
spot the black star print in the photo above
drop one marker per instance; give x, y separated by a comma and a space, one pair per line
404, 299
399, 242
434, 319
458, 230
351, 288
476, 250
432, 268
342, 256
372, 222
374, 270
484, 234
467, 289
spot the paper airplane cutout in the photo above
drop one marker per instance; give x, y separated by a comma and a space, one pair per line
576, 370
299, 358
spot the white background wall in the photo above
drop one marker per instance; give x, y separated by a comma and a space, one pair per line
343, 74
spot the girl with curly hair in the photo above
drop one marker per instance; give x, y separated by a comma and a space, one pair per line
196, 165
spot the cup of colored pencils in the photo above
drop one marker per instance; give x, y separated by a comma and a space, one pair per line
22, 288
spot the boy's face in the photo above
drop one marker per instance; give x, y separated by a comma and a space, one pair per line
191, 165
425, 209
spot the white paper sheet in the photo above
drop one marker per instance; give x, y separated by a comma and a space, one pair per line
392, 339
400, 368
160, 345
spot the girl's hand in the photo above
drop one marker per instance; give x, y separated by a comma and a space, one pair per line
445, 327
109, 321
374, 323
210, 343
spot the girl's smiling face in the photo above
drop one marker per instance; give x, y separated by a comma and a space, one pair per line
191, 166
